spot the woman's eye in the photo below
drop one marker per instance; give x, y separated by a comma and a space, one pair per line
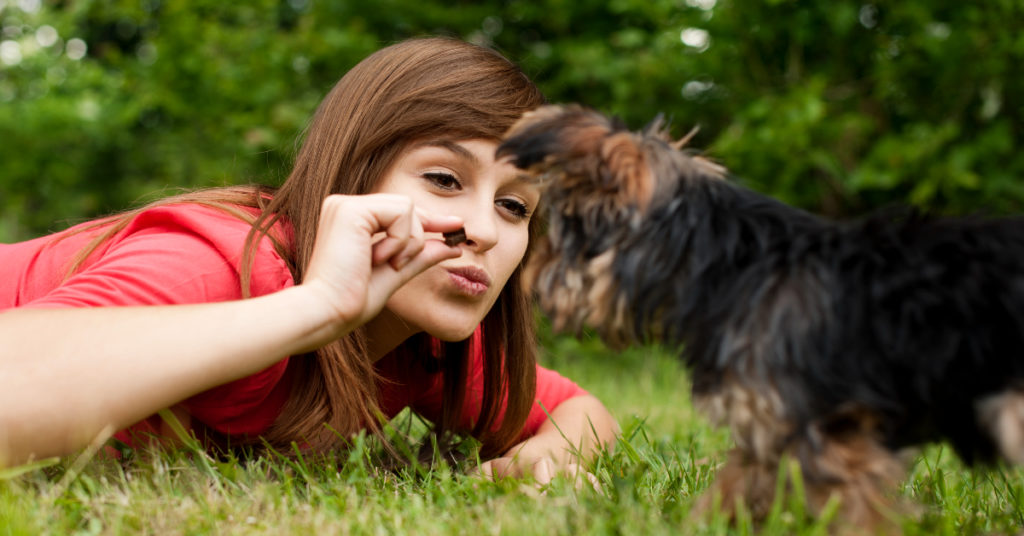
516, 208
445, 181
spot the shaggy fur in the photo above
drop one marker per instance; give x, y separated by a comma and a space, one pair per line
831, 344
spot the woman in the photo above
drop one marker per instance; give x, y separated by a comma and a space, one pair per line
303, 314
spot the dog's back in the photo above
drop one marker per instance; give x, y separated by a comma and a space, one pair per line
932, 319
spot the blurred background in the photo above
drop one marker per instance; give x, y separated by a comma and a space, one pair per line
839, 106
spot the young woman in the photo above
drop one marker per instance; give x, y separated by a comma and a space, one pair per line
306, 313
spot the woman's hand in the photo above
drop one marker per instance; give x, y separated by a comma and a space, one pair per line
367, 247
531, 458
576, 431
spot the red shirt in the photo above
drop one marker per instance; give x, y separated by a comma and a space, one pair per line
191, 254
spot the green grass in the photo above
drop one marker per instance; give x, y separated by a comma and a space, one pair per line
665, 459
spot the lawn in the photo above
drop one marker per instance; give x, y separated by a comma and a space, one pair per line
665, 458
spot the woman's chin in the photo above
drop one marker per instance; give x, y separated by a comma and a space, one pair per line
454, 326
452, 335
436, 312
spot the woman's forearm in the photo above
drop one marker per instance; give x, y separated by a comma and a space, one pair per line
575, 432
577, 429
67, 374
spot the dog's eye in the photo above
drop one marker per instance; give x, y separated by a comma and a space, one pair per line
517, 209
445, 181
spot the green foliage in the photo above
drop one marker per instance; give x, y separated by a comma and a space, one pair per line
838, 107
169, 95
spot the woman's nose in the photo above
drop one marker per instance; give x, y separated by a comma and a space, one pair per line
481, 229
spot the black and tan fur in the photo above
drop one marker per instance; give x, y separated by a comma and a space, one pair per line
830, 344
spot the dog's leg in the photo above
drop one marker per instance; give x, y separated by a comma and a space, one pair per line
842, 462
743, 480
855, 469
754, 416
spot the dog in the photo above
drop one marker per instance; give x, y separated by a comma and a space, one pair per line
833, 345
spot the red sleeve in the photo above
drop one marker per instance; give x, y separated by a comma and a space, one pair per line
552, 390
170, 255
179, 255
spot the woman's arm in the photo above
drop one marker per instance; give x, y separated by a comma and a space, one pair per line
577, 430
68, 374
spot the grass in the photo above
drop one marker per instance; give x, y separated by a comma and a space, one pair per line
666, 456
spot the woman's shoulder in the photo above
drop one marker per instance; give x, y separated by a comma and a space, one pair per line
224, 225
218, 234
180, 253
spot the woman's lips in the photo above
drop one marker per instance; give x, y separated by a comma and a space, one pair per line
469, 280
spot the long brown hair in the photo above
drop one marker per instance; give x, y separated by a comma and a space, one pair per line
414, 90
410, 91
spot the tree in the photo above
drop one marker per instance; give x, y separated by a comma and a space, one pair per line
838, 107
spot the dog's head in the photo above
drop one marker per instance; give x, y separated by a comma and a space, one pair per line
601, 182
588, 162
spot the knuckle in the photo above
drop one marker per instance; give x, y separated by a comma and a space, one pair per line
334, 199
401, 202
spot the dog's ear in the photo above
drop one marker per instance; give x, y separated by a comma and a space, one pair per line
585, 149
552, 136
625, 171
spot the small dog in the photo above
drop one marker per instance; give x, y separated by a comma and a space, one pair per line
829, 344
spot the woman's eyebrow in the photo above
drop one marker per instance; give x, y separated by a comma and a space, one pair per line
459, 150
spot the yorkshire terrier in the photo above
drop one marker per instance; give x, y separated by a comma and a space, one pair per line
831, 344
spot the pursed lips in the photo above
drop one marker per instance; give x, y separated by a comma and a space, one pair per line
470, 279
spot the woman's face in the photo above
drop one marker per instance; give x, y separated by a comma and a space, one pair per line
461, 178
